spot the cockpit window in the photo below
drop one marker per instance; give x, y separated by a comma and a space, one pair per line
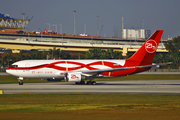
15, 66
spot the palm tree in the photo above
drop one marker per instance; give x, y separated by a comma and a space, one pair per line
160, 58
20, 56
98, 53
176, 60
9, 57
0, 62
169, 58
61, 54
44, 54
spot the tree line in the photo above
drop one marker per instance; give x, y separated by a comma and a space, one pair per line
173, 46
7, 59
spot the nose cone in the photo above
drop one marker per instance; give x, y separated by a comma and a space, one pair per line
9, 70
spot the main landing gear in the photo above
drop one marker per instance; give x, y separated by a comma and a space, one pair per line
88, 82
20, 80
91, 82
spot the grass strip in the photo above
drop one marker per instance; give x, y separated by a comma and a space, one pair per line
89, 107
69, 102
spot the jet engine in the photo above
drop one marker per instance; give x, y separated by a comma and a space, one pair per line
74, 77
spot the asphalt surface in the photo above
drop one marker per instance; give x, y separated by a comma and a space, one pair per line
102, 87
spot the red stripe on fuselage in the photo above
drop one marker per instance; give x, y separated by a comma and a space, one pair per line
80, 65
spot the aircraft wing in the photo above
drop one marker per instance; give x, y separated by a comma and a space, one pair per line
108, 70
123, 68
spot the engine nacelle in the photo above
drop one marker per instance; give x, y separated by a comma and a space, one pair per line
74, 77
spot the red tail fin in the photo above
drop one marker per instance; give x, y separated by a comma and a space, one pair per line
145, 55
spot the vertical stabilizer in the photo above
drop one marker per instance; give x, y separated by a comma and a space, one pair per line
145, 55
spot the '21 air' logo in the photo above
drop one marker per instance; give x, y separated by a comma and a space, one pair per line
151, 46
74, 76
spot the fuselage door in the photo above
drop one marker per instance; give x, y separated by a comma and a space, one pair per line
27, 66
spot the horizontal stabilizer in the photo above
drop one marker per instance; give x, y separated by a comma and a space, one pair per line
160, 64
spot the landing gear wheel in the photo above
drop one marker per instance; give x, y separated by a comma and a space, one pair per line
88, 82
20, 80
91, 82
82, 82
20, 83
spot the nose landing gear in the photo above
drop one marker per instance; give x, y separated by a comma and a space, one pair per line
20, 80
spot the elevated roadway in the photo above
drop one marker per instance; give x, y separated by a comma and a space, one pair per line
27, 42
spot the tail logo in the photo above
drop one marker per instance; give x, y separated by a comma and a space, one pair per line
151, 46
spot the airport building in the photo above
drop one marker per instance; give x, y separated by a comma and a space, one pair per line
136, 34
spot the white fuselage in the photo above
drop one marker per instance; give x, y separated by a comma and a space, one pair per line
57, 68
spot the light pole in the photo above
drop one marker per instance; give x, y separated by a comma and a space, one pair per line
84, 29
56, 27
48, 24
142, 24
60, 28
97, 24
74, 22
23, 20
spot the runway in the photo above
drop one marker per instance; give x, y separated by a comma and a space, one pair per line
102, 87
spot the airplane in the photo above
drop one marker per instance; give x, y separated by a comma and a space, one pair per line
80, 70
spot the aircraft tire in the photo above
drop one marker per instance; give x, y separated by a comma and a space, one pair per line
88, 82
20, 83
83, 82
93, 83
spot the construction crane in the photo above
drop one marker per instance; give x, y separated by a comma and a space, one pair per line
11, 23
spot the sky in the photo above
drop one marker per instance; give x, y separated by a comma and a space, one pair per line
156, 14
